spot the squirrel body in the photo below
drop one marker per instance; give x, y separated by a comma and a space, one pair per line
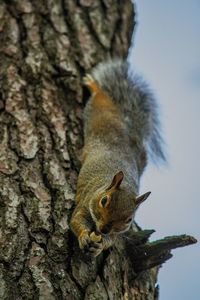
121, 129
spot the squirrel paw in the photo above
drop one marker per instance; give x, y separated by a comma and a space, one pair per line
84, 239
96, 245
90, 83
91, 242
87, 78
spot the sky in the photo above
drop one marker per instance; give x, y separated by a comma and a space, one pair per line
167, 53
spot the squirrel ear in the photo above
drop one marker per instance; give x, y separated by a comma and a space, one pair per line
141, 198
117, 180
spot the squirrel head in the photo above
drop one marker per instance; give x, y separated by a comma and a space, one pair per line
114, 208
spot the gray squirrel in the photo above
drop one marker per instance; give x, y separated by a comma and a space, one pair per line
121, 130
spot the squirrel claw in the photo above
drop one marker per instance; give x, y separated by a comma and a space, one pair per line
84, 240
95, 252
87, 78
90, 83
95, 238
96, 246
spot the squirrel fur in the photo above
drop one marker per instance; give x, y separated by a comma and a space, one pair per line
121, 130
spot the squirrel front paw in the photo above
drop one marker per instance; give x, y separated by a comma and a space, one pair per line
84, 239
96, 244
91, 242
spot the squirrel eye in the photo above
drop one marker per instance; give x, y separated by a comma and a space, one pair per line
103, 201
128, 220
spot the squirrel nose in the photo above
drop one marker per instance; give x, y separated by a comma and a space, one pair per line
105, 229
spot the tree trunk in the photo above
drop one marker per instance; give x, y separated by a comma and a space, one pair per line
46, 47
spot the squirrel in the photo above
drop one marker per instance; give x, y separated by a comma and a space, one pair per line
121, 130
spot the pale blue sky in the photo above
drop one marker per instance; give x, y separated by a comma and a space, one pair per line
167, 52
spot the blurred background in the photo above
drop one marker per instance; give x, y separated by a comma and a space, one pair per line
167, 53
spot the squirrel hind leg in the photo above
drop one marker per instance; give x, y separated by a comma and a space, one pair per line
89, 82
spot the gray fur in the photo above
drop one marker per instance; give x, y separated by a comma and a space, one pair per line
135, 101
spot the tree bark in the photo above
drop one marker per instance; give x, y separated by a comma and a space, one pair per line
46, 47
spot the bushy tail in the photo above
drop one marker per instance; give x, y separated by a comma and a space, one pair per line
136, 102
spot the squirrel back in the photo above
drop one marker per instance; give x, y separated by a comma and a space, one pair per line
135, 101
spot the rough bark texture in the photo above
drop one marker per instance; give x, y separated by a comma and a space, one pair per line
45, 49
